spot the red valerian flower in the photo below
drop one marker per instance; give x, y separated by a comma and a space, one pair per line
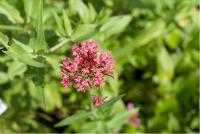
134, 119
87, 68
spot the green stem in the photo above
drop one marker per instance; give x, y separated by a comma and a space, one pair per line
59, 45
11, 28
91, 104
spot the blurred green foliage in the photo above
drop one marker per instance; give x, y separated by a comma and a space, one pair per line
155, 44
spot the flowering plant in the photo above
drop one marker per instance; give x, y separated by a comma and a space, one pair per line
87, 69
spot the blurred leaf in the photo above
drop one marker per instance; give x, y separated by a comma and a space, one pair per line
29, 6
3, 40
59, 24
165, 65
22, 53
92, 12
168, 104
67, 24
79, 116
153, 32
173, 124
115, 25
40, 43
195, 123
81, 8
84, 32
173, 38
119, 119
108, 104
11, 12
53, 99
3, 78
16, 69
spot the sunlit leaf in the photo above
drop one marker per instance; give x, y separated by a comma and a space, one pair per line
115, 25
165, 65
67, 24
22, 53
11, 12
79, 116
16, 69
3, 78
84, 32
107, 105
3, 40
40, 43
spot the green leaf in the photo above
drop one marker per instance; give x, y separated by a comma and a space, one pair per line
165, 65
79, 116
40, 43
173, 124
92, 11
81, 8
59, 24
84, 32
115, 25
108, 104
29, 7
173, 37
22, 53
119, 119
3, 77
11, 12
3, 40
16, 69
67, 24
154, 31
195, 122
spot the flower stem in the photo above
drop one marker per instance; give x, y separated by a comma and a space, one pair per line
91, 104
64, 41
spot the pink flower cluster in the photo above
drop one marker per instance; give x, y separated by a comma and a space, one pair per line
88, 67
134, 119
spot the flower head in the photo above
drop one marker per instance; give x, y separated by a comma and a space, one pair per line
134, 119
87, 68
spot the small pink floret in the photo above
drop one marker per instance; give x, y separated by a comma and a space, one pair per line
98, 100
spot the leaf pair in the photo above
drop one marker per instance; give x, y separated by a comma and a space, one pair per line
63, 24
82, 115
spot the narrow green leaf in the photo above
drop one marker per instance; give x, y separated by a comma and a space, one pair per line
3, 40
11, 12
40, 43
22, 53
80, 7
109, 103
59, 24
67, 24
25, 47
84, 31
165, 65
118, 120
79, 116
29, 7
92, 11
115, 25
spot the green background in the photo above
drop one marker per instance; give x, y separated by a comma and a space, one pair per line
155, 44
